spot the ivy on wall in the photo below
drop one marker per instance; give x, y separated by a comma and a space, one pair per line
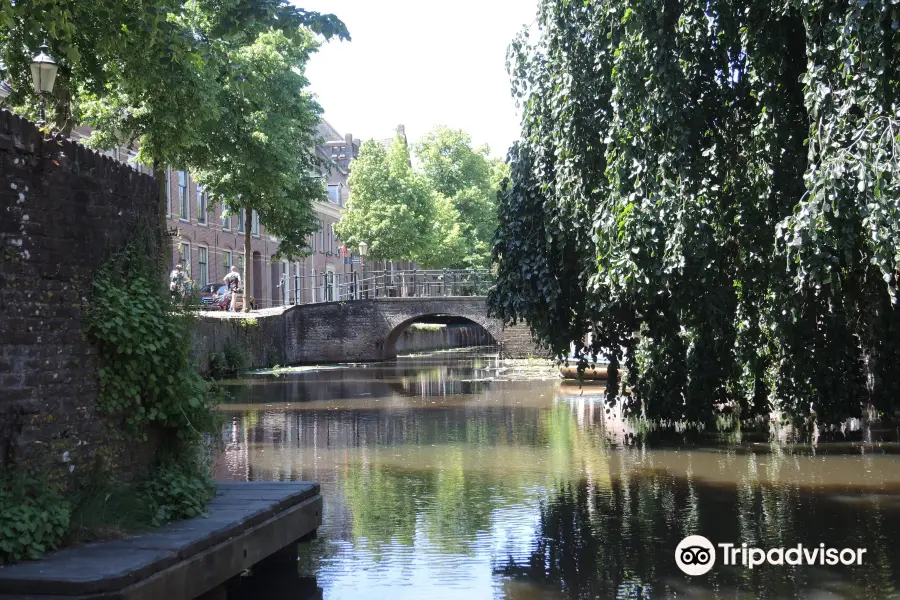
710, 189
149, 388
143, 338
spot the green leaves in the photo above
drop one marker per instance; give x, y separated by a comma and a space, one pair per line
441, 216
33, 517
391, 207
142, 345
710, 190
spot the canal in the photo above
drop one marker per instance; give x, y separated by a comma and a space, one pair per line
442, 482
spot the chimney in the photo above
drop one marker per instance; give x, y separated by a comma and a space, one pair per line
348, 139
401, 130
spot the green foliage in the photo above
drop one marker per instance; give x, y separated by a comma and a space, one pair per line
178, 490
442, 216
135, 48
211, 86
391, 207
425, 327
259, 152
237, 358
33, 517
466, 180
218, 366
710, 190
146, 376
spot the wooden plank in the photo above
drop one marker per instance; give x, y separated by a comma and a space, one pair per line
109, 567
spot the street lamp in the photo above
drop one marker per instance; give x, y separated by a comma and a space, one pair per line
43, 72
363, 248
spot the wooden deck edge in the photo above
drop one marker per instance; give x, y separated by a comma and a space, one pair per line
214, 566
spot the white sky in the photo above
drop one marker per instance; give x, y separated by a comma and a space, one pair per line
420, 63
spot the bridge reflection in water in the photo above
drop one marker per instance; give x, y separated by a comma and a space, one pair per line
441, 483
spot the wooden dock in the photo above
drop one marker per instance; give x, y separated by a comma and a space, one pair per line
248, 523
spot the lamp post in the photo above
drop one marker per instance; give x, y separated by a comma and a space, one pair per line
363, 248
43, 73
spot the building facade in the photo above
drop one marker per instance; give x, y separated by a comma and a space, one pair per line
206, 240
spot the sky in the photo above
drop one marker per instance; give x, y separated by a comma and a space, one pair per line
420, 63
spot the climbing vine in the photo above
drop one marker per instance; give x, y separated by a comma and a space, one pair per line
710, 189
143, 338
148, 380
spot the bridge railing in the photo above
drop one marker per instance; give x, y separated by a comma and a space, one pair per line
414, 283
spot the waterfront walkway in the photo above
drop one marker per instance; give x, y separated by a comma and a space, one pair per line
247, 523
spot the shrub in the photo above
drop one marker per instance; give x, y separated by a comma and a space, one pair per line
33, 518
178, 489
237, 358
218, 366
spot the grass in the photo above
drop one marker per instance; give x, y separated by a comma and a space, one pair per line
104, 509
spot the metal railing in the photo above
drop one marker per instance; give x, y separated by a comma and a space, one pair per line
340, 287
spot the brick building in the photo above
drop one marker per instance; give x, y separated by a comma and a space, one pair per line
207, 243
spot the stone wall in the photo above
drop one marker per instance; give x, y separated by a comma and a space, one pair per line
63, 211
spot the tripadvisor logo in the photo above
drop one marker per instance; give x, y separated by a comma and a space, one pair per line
696, 555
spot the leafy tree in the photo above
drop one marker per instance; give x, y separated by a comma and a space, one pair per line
260, 153
391, 207
104, 45
710, 189
446, 244
213, 86
468, 177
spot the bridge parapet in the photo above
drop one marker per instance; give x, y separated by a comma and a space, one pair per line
412, 283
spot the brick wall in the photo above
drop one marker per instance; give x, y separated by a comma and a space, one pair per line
63, 210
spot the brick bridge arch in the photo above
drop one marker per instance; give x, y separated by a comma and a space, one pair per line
367, 330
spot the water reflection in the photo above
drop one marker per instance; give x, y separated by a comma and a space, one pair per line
439, 482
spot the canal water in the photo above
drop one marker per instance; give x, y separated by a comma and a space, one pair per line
440, 481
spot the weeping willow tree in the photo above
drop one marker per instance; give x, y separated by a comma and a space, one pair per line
711, 188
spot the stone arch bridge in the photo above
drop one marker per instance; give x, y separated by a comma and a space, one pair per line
367, 330
350, 331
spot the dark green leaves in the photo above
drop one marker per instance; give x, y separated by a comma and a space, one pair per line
712, 189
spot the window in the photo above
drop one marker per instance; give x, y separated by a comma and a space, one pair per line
240, 217
202, 205
334, 193
226, 260
312, 242
321, 237
240, 264
203, 265
226, 218
168, 192
183, 210
254, 226
184, 257
330, 232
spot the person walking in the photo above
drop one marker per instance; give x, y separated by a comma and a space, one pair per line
233, 281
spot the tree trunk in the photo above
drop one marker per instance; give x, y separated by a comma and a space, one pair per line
248, 259
63, 122
165, 248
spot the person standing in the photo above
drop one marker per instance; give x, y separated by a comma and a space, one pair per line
177, 282
233, 281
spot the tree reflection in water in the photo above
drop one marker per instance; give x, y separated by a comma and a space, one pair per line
435, 486
619, 541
